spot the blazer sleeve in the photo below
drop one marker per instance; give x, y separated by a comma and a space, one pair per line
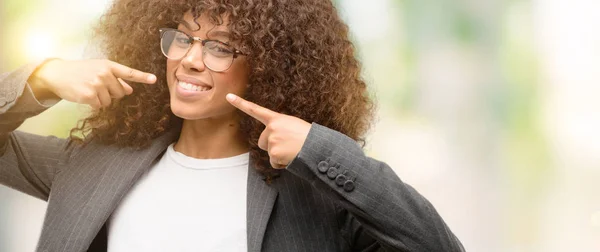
28, 162
378, 212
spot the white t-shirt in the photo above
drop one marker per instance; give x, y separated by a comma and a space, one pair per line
184, 204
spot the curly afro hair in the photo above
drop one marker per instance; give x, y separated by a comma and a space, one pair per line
301, 60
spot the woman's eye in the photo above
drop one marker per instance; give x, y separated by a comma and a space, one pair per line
182, 40
216, 47
223, 49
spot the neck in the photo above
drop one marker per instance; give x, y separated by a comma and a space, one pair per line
211, 138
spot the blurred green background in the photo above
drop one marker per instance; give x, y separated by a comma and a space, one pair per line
488, 108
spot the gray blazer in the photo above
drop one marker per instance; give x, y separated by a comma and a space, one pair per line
311, 207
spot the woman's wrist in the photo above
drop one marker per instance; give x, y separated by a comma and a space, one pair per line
38, 84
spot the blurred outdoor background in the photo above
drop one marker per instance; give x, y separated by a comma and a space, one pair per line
491, 109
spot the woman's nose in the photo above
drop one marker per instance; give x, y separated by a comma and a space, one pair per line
194, 59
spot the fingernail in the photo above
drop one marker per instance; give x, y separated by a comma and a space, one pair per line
230, 97
151, 78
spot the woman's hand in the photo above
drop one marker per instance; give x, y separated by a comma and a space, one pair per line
91, 82
283, 136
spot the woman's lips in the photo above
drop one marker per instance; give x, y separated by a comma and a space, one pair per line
188, 90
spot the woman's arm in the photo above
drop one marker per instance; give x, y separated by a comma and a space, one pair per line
28, 162
375, 203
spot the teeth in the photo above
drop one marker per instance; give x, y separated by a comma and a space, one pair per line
192, 87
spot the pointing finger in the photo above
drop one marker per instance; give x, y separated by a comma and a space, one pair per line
262, 114
130, 74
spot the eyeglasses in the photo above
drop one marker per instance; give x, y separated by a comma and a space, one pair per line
216, 55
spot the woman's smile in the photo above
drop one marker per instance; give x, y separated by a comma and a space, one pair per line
191, 89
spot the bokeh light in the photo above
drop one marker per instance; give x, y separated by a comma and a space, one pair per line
39, 45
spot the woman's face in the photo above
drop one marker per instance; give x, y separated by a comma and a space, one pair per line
188, 78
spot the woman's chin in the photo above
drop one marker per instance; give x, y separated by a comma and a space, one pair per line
187, 113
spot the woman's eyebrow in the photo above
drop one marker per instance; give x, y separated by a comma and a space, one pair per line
220, 34
187, 25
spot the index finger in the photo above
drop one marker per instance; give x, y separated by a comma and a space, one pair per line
130, 74
262, 114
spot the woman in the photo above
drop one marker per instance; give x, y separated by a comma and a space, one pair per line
238, 133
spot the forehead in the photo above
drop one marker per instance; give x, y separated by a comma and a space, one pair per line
204, 22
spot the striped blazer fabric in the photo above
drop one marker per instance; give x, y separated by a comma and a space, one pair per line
331, 197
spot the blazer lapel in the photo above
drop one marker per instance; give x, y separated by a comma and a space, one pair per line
260, 201
88, 190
